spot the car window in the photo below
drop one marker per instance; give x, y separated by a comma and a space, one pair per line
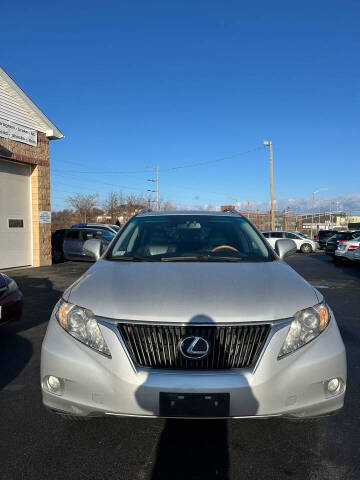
167, 236
105, 235
291, 235
276, 235
72, 234
266, 234
87, 235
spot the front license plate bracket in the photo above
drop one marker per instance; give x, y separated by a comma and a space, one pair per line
194, 404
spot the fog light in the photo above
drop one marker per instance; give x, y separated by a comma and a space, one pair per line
334, 385
53, 384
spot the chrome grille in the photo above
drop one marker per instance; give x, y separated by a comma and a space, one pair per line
156, 346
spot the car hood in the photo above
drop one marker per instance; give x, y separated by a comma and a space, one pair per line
192, 291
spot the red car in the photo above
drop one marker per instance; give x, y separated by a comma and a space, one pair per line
11, 300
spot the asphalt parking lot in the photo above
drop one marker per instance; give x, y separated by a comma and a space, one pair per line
36, 444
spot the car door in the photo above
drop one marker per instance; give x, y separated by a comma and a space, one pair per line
274, 237
71, 243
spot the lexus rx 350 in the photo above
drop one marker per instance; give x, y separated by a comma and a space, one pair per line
192, 314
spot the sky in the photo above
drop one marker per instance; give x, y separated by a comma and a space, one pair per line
197, 85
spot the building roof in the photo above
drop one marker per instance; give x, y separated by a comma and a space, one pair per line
16, 106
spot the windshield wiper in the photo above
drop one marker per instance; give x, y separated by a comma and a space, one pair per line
202, 258
134, 258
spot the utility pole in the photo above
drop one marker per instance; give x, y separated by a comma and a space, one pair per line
156, 180
312, 214
268, 143
157, 189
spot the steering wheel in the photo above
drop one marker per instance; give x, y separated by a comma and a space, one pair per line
221, 247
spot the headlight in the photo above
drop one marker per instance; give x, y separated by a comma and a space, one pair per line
82, 325
306, 326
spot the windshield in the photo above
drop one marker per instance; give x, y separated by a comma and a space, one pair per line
190, 237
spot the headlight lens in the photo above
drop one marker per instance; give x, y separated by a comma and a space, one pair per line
306, 326
82, 325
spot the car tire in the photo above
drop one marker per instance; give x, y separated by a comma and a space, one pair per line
306, 248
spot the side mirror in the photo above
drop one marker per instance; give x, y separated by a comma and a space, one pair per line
92, 248
285, 247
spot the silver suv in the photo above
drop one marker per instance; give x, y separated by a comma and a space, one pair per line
192, 314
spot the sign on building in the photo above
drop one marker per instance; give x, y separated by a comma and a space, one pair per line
16, 132
44, 217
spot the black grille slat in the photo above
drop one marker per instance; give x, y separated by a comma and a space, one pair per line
231, 346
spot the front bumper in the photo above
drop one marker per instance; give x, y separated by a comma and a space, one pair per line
95, 385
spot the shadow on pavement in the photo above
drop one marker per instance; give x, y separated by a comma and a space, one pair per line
194, 449
15, 353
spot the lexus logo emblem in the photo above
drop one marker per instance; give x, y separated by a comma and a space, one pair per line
194, 347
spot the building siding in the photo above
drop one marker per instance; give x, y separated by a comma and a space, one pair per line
13, 108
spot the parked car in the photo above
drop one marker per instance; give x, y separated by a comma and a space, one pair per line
354, 255
345, 249
323, 236
301, 235
340, 237
304, 245
57, 239
75, 238
99, 226
192, 314
11, 300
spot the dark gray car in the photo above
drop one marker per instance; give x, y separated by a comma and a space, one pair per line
75, 238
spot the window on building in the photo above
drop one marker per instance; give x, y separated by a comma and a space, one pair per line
16, 223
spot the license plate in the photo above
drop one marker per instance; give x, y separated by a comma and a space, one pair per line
194, 404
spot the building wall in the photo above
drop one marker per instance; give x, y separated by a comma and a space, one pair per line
38, 157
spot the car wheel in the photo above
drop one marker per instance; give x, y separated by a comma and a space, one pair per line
306, 248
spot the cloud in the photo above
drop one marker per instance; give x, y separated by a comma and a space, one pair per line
342, 203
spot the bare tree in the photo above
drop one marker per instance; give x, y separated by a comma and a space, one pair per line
112, 205
61, 219
167, 205
83, 205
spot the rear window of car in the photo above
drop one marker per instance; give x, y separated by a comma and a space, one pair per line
327, 234
346, 235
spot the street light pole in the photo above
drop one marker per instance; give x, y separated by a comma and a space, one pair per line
268, 143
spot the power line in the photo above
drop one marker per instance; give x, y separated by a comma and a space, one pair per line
185, 165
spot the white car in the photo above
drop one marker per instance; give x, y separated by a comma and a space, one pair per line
304, 245
348, 249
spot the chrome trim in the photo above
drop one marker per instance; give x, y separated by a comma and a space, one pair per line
113, 321
275, 326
